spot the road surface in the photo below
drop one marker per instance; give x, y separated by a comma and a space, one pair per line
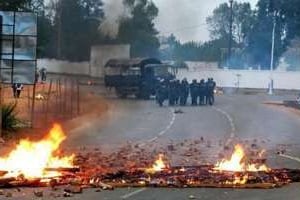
233, 118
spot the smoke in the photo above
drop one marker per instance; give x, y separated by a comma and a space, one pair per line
114, 11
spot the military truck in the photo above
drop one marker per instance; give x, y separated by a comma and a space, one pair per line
138, 77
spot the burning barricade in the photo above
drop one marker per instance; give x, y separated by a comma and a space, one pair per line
39, 164
34, 163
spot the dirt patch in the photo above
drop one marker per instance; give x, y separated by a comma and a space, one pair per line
58, 103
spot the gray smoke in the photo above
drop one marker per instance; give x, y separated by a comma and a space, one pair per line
114, 11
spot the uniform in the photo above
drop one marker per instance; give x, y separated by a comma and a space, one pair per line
202, 91
184, 92
194, 92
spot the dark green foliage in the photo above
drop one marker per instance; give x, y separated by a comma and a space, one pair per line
243, 19
75, 26
13, 5
138, 29
9, 118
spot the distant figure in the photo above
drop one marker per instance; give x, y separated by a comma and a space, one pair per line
14, 88
43, 73
37, 76
19, 88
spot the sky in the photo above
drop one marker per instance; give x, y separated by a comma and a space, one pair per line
187, 18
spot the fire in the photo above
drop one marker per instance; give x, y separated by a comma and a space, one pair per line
158, 165
39, 97
237, 163
31, 159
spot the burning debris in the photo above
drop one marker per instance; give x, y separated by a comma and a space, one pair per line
34, 162
40, 97
238, 164
37, 164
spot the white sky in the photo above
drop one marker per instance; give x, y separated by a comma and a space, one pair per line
187, 18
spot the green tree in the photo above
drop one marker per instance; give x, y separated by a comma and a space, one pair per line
260, 37
76, 25
219, 21
138, 29
13, 5
21, 5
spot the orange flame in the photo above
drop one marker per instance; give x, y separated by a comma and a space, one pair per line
237, 163
158, 165
30, 159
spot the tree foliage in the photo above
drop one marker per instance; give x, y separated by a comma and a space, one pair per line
219, 21
138, 28
75, 28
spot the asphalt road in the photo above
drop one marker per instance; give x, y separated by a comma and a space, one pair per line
234, 118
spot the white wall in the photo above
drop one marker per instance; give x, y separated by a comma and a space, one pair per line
64, 67
224, 78
247, 78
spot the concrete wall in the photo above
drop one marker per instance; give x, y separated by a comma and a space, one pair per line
224, 78
64, 67
101, 54
247, 78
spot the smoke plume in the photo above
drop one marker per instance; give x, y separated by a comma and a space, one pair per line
114, 11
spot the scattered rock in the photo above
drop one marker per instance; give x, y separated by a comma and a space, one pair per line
202, 139
1, 192
55, 195
73, 189
67, 194
254, 146
8, 194
98, 190
171, 147
178, 111
38, 193
192, 197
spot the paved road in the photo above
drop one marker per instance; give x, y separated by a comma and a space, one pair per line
233, 118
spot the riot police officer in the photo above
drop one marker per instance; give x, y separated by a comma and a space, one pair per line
210, 91
177, 91
202, 91
194, 92
184, 92
172, 92
162, 92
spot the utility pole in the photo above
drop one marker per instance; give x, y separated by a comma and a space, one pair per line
230, 33
272, 55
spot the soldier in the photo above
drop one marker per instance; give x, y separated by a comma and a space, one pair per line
177, 91
184, 92
202, 91
210, 91
172, 92
194, 92
162, 92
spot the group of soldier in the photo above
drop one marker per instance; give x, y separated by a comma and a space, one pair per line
177, 92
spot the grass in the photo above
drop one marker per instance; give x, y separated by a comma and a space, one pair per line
9, 118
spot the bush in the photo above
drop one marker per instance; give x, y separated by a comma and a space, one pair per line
9, 117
